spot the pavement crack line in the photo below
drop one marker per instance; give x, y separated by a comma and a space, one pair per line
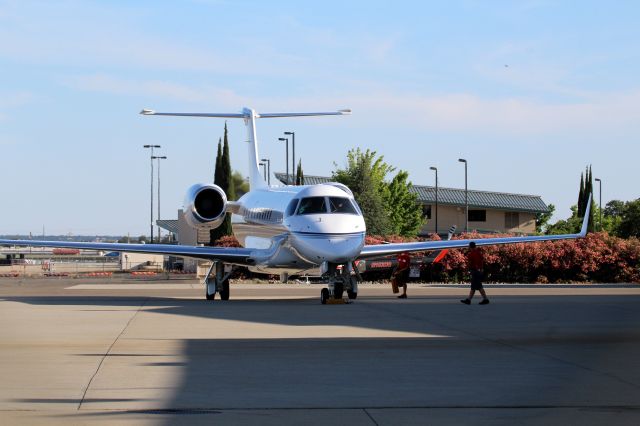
370, 416
106, 354
508, 345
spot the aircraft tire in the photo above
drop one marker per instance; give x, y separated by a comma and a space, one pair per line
208, 296
352, 294
324, 296
224, 294
338, 289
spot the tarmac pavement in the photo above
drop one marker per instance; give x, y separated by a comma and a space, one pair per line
154, 352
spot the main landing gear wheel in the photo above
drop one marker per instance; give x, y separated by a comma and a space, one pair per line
324, 296
224, 293
352, 294
218, 282
209, 290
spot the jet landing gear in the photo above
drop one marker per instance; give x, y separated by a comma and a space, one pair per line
339, 280
218, 283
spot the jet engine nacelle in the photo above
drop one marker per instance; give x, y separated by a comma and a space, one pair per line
205, 206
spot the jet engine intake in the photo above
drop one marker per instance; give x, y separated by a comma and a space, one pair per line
205, 206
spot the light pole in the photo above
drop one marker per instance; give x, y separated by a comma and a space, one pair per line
466, 197
151, 204
268, 162
600, 201
436, 170
159, 158
287, 161
293, 154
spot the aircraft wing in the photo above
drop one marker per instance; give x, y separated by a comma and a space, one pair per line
391, 249
237, 256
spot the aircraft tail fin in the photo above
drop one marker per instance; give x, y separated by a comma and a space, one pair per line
256, 179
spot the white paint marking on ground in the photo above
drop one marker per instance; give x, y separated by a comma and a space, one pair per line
132, 287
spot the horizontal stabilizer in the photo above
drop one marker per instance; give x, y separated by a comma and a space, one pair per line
245, 114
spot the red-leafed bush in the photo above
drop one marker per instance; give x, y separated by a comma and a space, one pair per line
596, 258
227, 241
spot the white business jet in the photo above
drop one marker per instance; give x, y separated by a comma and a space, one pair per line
287, 230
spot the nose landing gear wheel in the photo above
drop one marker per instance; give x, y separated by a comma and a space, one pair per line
338, 289
324, 296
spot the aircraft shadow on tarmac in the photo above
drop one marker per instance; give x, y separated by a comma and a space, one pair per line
538, 351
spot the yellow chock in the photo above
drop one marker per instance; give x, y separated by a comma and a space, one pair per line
333, 301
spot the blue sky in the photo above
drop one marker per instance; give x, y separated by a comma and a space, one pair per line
529, 92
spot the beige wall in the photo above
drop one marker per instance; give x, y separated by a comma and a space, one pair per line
453, 215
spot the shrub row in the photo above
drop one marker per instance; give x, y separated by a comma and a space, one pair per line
597, 258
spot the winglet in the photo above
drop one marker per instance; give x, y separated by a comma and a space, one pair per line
585, 220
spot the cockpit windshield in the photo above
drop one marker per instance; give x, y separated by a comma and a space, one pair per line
341, 205
291, 208
318, 205
312, 205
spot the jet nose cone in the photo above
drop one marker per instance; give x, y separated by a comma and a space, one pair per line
335, 248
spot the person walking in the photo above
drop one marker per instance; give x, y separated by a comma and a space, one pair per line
401, 273
475, 262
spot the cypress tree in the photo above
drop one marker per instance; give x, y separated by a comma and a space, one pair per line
299, 174
228, 187
218, 169
214, 234
224, 180
581, 196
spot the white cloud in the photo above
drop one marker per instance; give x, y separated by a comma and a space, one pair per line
156, 88
10, 101
461, 113
465, 113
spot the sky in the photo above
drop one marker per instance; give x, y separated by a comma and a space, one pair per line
529, 92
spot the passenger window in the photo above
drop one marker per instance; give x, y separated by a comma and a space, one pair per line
341, 205
291, 208
312, 205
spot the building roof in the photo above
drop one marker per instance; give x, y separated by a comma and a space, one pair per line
170, 225
455, 197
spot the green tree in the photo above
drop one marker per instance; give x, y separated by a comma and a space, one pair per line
581, 195
240, 184
404, 209
388, 207
630, 221
566, 226
218, 168
224, 180
227, 180
299, 174
614, 208
542, 219
363, 176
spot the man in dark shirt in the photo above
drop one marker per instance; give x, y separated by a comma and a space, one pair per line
401, 273
475, 262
